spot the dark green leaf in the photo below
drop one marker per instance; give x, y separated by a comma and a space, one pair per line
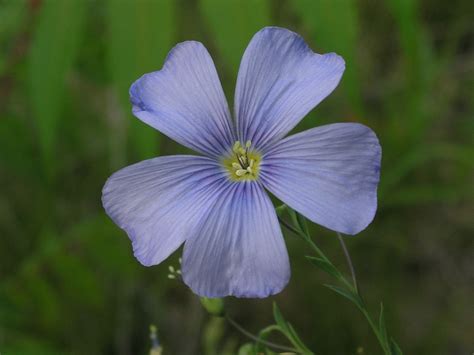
325, 265
140, 34
347, 294
233, 23
280, 321
287, 329
394, 348
53, 50
302, 223
382, 327
321, 18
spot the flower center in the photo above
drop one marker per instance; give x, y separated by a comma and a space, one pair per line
244, 162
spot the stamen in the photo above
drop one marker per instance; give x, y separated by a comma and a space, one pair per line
236, 147
244, 162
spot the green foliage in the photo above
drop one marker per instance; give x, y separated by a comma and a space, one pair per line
233, 23
53, 50
139, 34
321, 18
288, 330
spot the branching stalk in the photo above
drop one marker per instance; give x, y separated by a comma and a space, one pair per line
259, 340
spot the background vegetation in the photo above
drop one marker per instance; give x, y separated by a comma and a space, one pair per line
68, 280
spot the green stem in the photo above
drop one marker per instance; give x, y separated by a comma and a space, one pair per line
349, 261
352, 287
259, 340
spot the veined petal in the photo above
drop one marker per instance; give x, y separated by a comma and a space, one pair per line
159, 202
280, 80
239, 248
329, 174
185, 101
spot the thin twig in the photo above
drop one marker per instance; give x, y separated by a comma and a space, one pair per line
259, 340
349, 260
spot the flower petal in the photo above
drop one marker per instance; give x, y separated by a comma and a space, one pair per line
159, 202
329, 174
280, 80
185, 101
239, 248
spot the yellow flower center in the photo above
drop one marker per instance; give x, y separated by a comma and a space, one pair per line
244, 162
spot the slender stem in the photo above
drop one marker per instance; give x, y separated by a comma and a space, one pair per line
349, 260
362, 308
259, 340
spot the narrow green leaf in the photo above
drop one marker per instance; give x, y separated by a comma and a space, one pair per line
325, 265
351, 296
382, 327
233, 23
140, 34
302, 223
53, 50
334, 27
288, 330
280, 210
297, 340
263, 335
394, 348
280, 321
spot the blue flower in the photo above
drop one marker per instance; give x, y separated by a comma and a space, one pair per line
217, 204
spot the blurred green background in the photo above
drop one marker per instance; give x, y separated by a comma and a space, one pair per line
68, 280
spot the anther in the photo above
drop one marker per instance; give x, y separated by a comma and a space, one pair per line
240, 172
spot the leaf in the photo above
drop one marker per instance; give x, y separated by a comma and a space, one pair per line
351, 296
325, 265
322, 17
233, 24
140, 34
287, 329
302, 223
263, 335
53, 50
394, 348
382, 327
280, 321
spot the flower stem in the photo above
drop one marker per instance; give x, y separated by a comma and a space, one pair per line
259, 340
352, 287
349, 261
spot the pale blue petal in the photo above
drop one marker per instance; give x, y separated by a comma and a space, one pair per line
159, 202
329, 174
239, 248
280, 80
185, 101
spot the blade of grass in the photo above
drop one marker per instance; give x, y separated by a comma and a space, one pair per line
233, 23
53, 50
140, 34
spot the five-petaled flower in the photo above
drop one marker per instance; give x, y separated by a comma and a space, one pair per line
216, 203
